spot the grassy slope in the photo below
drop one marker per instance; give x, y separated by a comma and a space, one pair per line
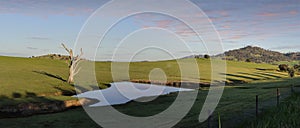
17, 76
237, 105
236, 71
286, 115
21, 77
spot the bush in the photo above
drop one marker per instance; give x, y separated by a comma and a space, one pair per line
291, 72
283, 67
206, 56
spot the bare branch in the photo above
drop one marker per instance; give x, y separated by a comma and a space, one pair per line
76, 64
74, 61
81, 53
78, 58
71, 54
70, 51
78, 70
64, 46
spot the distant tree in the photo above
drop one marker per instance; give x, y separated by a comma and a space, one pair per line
283, 67
297, 67
197, 56
73, 63
291, 72
248, 60
206, 56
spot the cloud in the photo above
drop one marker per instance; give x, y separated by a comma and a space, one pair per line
226, 26
45, 8
32, 48
268, 14
164, 23
287, 47
280, 13
39, 38
293, 12
13, 54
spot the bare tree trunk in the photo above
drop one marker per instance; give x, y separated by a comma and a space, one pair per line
74, 61
71, 75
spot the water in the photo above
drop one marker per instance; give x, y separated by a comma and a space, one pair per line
123, 92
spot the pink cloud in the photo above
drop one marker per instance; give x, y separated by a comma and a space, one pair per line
268, 14
164, 23
293, 12
226, 26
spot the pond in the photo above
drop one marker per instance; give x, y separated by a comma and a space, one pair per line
123, 92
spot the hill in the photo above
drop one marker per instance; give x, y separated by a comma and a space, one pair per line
259, 55
53, 56
35, 80
47, 77
41, 80
293, 55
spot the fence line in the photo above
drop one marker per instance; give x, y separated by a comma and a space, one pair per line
279, 93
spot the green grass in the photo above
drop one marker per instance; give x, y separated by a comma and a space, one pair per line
19, 75
237, 105
286, 115
74, 118
291, 63
22, 76
236, 71
28, 80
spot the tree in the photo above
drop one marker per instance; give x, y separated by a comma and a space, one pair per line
73, 63
291, 72
206, 56
297, 67
283, 67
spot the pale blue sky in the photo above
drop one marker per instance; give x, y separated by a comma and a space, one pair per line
36, 27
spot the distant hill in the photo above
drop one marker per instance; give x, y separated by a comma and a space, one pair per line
293, 55
193, 56
53, 56
256, 54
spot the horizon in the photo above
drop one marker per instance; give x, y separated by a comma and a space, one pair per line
33, 28
157, 60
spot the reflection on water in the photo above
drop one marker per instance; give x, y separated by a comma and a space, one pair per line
123, 92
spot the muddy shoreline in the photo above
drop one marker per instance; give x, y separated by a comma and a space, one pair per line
29, 109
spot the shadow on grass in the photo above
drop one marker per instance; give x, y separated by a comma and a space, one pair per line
256, 75
22, 105
240, 76
234, 81
265, 69
50, 75
64, 91
267, 74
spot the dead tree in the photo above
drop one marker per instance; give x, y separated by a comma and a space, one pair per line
73, 63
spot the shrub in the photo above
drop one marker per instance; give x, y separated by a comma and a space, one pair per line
283, 67
291, 72
206, 56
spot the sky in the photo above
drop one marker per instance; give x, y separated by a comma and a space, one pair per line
37, 27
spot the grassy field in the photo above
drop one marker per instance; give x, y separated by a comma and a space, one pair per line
27, 80
290, 63
286, 115
25, 77
236, 106
24, 80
